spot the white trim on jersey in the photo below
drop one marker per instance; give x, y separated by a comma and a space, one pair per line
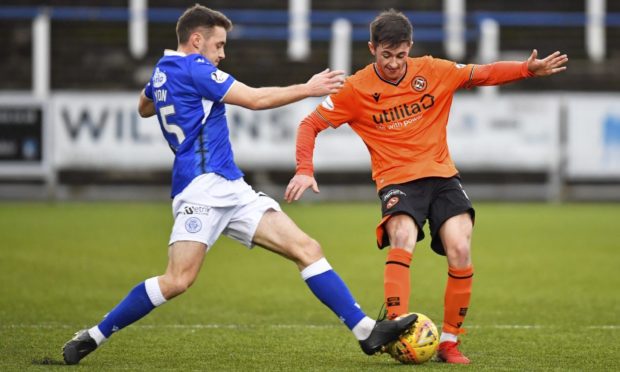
231, 85
170, 52
206, 107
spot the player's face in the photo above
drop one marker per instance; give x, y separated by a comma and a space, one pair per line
391, 61
211, 46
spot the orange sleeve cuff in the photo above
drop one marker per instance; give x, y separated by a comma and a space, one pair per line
309, 128
499, 73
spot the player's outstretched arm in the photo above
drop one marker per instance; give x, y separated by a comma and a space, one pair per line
504, 72
321, 84
552, 64
146, 107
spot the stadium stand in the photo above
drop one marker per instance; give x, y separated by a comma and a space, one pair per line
89, 40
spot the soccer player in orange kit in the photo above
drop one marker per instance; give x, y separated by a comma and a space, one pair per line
399, 106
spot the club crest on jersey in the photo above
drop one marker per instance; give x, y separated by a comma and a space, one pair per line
193, 225
327, 103
219, 76
159, 78
418, 83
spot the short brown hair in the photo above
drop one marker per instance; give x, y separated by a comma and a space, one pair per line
200, 16
391, 28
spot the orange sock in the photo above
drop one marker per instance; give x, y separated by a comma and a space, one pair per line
396, 282
456, 300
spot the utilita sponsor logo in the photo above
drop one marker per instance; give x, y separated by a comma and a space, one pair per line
404, 111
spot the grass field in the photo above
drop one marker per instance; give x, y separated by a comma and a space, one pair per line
546, 291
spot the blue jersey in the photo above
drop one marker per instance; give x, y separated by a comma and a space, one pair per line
187, 91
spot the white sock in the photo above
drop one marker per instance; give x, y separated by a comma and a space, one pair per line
96, 334
363, 329
445, 336
154, 292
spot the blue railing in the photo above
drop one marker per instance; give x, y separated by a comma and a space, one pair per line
273, 24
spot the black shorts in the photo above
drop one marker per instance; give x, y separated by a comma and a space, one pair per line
434, 198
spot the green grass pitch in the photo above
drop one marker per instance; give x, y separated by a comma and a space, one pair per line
546, 290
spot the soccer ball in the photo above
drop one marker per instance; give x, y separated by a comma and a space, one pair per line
418, 344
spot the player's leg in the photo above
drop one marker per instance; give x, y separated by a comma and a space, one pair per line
451, 226
404, 208
456, 237
196, 228
402, 232
278, 233
185, 260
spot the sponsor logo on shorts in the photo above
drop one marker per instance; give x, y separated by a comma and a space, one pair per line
392, 202
394, 192
196, 209
193, 225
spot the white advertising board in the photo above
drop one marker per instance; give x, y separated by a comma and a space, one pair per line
509, 132
593, 148
102, 131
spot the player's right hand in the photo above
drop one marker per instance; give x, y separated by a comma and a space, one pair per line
325, 82
298, 184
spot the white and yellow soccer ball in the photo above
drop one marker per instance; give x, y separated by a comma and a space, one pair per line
418, 344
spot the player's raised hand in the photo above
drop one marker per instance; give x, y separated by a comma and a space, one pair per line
550, 65
298, 184
325, 82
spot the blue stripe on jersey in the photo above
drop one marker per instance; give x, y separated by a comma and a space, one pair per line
187, 91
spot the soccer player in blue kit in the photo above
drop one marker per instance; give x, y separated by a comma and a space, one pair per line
188, 94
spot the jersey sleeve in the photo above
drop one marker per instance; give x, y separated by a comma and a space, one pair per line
454, 75
148, 90
502, 72
337, 109
210, 82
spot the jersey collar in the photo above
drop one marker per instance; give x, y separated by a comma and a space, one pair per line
170, 52
395, 83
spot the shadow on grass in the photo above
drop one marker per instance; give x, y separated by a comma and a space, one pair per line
47, 361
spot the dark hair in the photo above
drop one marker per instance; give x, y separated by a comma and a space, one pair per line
391, 28
200, 16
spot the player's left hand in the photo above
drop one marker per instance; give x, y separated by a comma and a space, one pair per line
325, 82
298, 184
550, 65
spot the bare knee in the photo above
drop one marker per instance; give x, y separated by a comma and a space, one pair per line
402, 232
174, 285
307, 252
459, 254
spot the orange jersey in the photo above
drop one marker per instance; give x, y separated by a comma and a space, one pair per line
403, 123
